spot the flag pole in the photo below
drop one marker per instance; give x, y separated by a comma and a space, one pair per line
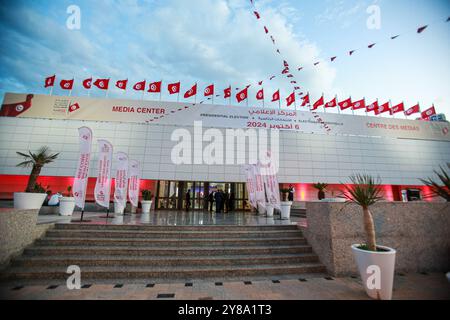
178, 96
263, 96
279, 99
324, 104
143, 91
338, 106
160, 91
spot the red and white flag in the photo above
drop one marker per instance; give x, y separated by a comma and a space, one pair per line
50, 81
305, 100
102, 84
155, 87
227, 92
122, 84
74, 107
276, 96
174, 88
82, 173
242, 95
134, 182
191, 92
251, 184
66, 84
428, 113
372, 107
345, 104
318, 103
398, 108
102, 190
290, 99
360, 104
87, 83
257, 14
412, 110
139, 86
121, 182
383, 108
332, 103
209, 90
260, 94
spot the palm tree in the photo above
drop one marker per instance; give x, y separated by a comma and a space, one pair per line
441, 189
36, 161
321, 187
365, 192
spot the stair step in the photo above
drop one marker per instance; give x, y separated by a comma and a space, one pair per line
70, 226
152, 261
163, 251
199, 272
168, 242
133, 234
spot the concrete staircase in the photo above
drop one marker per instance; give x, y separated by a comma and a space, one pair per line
166, 252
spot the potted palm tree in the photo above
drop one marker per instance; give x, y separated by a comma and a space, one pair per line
375, 263
67, 204
146, 201
321, 187
33, 197
441, 188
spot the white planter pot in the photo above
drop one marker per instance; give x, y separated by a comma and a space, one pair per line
66, 206
26, 201
261, 209
269, 210
385, 261
286, 210
118, 208
146, 205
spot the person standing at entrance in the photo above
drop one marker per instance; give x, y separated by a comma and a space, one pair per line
291, 193
226, 199
218, 196
211, 200
231, 202
188, 200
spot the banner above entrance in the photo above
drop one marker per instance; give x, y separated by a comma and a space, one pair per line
184, 114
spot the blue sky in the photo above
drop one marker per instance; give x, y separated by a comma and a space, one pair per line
221, 42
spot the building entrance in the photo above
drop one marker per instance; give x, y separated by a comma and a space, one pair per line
172, 195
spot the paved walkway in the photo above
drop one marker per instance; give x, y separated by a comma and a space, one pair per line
170, 218
407, 286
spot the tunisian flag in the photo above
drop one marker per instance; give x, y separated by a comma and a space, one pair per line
102, 189
318, 103
345, 104
242, 95
227, 92
14, 109
412, 110
398, 108
155, 87
74, 107
102, 84
331, 104
139, 86
87, 83
134, 182
209, 90
276, 96
66, 84
372, 107
191, 92
291, 99
428, 113
173, 88
305, 100
50, 81
122, 84
81, 175
121, 185
383, 108
260, 94
360, 104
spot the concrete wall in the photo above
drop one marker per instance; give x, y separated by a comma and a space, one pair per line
18, 229
419, 231
304, 158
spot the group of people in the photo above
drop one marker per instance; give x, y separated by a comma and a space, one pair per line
224, 201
